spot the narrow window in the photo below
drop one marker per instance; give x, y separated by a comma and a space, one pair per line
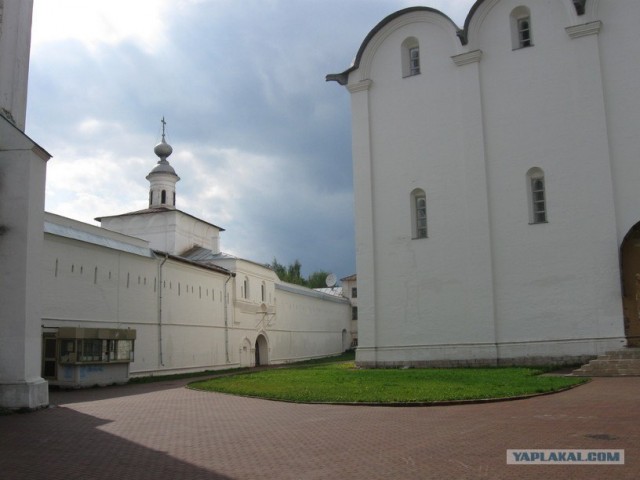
521, 35
354, 313
419, 214
263, 290
410, 57
537, 196
414, 61
246, 288
95, 275
163, 197
174, 199
524, 32
150, 198
354, 292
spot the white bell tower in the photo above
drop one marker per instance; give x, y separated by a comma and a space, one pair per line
162, 178
15, 45
23, 170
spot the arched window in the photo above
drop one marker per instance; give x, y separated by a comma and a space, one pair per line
418, 214
521, 28
246, 287
410, 57
163, 197
537, 196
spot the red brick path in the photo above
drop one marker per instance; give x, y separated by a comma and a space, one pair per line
165, 431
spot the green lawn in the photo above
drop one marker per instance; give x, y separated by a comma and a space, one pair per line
342, 382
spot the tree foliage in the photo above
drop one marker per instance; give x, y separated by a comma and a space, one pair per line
292, 274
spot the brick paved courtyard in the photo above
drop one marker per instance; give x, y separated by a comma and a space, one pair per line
165, 431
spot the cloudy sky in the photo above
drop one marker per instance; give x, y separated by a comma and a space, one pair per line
261, 142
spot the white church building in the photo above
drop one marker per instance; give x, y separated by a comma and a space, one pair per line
496, 177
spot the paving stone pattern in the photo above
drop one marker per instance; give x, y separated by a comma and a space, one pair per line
166, 431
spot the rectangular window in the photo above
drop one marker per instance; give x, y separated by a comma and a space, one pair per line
537, 200
524, 32
414, 61
354, 292
95, 350
354, 313
421, 217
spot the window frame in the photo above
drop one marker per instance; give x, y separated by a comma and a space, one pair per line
524, 32
419, 215
95, 350
410, 56
537, 196
245, 288
521, 37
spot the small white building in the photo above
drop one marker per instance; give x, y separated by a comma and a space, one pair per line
496, 183
149, 292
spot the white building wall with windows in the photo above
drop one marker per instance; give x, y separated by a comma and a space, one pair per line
188, 313
493, 107
83, 305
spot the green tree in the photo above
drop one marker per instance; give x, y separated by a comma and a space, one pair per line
317, 279
292, 274
280, 269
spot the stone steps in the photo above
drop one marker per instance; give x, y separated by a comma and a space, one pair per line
618, 363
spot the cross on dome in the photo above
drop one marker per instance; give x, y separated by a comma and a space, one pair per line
163, 177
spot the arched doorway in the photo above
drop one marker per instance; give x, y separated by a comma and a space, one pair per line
262, 351
630, 271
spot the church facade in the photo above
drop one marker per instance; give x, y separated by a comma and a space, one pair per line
495, 176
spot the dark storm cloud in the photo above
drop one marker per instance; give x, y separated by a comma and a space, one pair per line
262, 143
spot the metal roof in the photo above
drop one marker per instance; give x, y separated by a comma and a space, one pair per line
104, 241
